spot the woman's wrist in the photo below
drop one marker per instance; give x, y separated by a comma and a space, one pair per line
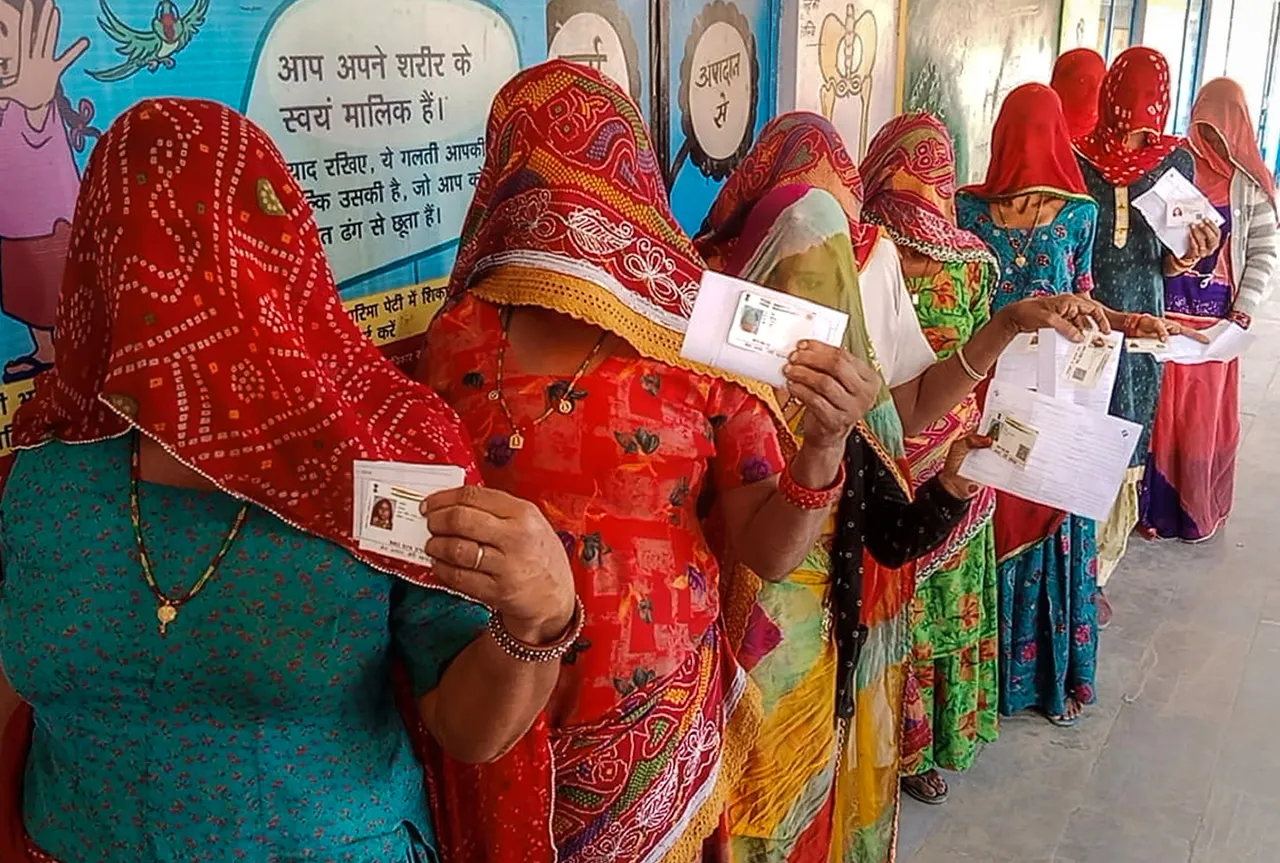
816, 466
543, 629
958, 487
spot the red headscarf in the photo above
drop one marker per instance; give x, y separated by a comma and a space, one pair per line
1031, 149
1077, 79
910, 170
795, 148
1134, 98
1222, 112
198, 307
571, 184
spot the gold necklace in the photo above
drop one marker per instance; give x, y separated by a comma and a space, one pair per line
167, 607
563, 404
1018, 248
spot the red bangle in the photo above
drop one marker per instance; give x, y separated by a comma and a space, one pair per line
1130, 325
809, 499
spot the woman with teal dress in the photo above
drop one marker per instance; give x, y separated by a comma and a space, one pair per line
1032, 212
204, 652
1122, 159
910, 179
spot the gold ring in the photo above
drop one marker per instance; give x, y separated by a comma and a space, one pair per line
479, 557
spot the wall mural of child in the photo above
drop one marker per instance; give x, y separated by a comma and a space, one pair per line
40, 130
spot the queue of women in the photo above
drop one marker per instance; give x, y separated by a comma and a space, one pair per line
674, 615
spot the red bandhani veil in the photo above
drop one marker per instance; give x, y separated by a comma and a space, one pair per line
1077, 79
1134, 98
198, 308
798, 148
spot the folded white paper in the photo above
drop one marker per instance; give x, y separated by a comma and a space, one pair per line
750, 330
1227, 341
1078, 461
1019, 365
1165, 207
385, 506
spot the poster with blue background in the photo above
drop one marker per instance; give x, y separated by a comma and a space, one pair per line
379, 107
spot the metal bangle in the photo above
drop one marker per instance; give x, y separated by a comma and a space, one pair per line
968, 369
537, 653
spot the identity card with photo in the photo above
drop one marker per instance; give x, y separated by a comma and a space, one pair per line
1010, 439
387, 506
1089, 359
751, 330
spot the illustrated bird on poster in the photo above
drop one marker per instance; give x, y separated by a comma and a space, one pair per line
150, 49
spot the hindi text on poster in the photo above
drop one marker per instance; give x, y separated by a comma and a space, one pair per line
382, 119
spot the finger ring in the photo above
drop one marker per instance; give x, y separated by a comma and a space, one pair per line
479, 557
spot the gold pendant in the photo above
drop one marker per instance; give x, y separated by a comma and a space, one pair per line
565, 406
166, 614
516, 441
1021, 260
494, 395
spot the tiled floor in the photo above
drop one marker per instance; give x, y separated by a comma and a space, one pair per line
1179, 762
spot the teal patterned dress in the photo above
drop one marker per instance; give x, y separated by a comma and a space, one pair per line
1048, 603
1128, 276
262, 727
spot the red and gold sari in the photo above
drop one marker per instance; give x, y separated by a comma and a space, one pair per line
653, 716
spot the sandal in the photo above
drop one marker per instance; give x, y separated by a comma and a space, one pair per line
24, 369
1062, 720
926, 791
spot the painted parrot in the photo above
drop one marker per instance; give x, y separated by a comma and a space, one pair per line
150, 49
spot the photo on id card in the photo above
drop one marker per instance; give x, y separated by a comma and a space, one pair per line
393, 524
768, 326
1012, 440
1088, 359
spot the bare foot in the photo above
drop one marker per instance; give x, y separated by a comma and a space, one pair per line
1105, 612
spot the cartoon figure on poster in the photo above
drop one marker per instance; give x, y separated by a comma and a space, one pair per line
40, 132
153, 48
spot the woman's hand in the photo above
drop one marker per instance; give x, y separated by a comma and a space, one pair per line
1204, 238
1069, 314
501, 551
835, 387
950, 479
1151, 327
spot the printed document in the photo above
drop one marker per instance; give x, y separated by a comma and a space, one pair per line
1062, 455
1227, 341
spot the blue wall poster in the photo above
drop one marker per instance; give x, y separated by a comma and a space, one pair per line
379, 108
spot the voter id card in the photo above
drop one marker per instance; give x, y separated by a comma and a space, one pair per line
387, 506
1089, 358
1011, 440
1184, 214
768, 325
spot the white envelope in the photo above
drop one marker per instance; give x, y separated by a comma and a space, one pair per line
717, 312
1173, 188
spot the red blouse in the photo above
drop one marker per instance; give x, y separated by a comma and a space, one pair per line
619, 479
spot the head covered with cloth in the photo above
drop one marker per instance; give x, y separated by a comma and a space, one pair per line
571, 217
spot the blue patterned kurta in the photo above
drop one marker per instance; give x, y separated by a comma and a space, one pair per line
1048, 612
261, 728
